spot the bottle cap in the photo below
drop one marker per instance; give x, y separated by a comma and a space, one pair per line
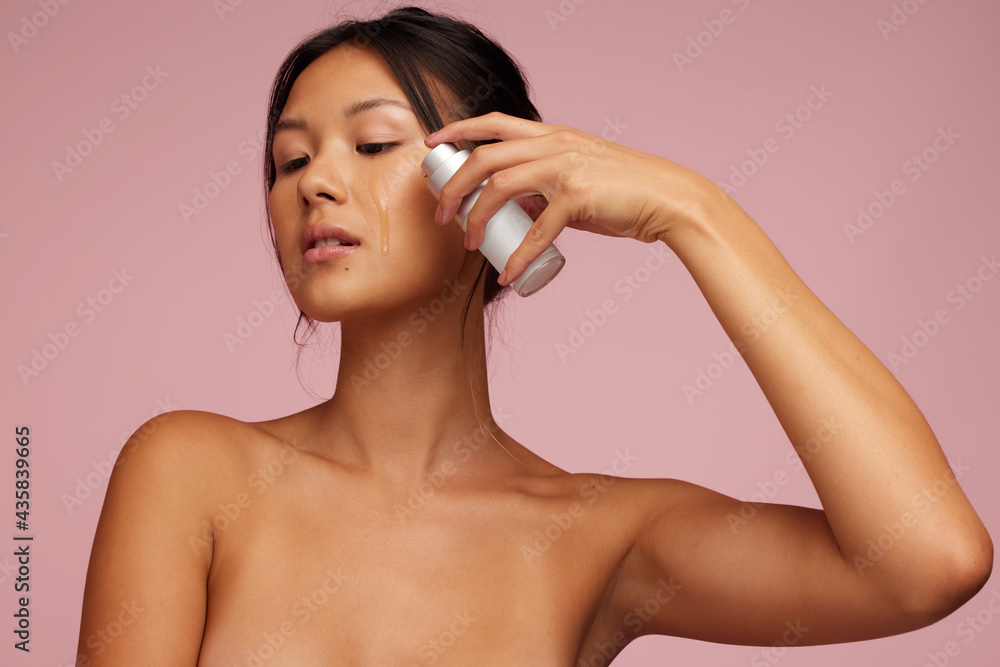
438, 156
441, 164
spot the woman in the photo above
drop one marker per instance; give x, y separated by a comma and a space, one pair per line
298, 541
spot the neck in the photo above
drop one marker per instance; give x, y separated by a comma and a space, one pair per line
409, 393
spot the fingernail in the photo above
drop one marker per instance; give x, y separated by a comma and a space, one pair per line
503, 277
468, 242
438, 218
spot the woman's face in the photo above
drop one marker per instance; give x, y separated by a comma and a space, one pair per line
347, 152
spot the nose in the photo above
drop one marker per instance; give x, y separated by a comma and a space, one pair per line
322, 182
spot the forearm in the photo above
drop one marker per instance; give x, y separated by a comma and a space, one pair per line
876, 464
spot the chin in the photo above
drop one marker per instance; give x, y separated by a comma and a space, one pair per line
338, 302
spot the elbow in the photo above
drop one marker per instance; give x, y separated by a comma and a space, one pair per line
949, 578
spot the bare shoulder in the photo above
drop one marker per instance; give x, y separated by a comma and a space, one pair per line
633, 499
637, 516
184, 461
618, 512
204, 448
147, 563
638, 510
190, 432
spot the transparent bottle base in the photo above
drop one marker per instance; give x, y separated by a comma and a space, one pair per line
539, 273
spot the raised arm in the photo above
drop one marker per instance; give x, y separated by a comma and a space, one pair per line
145, 596
897, 545
879, 470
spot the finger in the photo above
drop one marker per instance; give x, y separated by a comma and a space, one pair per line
541, 235
494, 125
520, 180
490, 159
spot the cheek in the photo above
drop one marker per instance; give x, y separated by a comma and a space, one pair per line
278, 202
399, 185
403, 206
419, 251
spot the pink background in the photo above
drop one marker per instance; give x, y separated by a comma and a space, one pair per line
159, 342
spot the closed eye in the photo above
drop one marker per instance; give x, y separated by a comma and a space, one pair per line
292, 165
369, 149
374, 148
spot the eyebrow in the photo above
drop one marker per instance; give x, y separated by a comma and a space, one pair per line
295, 123
373, 103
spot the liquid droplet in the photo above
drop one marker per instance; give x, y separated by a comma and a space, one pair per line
374, 187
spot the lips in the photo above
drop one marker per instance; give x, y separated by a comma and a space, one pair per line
322, 241
321, 254
325, 232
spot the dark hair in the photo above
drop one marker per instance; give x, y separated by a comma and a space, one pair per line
425, 52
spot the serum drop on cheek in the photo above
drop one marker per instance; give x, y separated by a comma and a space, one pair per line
504, 232
375, 189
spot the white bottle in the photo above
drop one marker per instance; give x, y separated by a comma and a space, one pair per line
504, 232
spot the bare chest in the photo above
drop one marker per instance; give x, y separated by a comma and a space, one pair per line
305, 575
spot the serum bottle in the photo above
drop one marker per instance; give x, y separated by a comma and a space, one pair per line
506, 229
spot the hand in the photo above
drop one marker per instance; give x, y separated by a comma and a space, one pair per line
588, 183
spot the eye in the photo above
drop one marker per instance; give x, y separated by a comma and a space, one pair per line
369, 149
294, 164
374, 148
